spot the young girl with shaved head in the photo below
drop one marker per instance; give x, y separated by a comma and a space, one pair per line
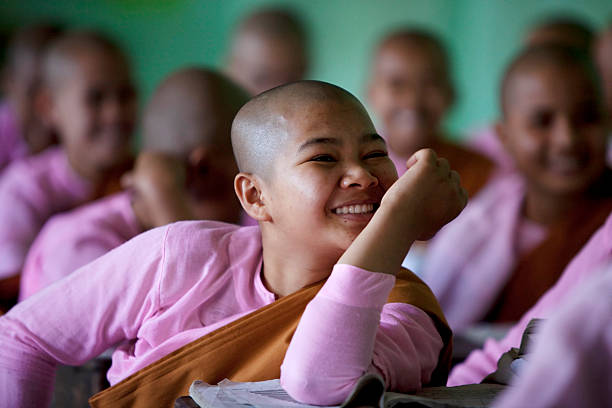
314, 296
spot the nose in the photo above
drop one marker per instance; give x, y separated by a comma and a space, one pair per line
566, 135
358, 176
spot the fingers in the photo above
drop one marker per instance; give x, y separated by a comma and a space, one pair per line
423, 155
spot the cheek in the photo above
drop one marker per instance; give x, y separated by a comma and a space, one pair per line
437, 103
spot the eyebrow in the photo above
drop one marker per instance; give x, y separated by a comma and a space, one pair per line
370, 137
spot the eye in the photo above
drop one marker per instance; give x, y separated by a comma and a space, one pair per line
326, 158
375, 154
588, 115
94, 97
541, 119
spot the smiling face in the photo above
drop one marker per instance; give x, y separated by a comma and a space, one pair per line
329, 176
554, 128
410, 93
94, 111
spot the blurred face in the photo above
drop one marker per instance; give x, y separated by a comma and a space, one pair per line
94, 112
410, 94
604, 63
330, 176
554, 129
210, 186
22, 87
261, 63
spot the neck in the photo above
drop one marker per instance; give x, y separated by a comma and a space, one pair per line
287, 269
545, 208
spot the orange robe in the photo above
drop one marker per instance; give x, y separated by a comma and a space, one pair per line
252, 349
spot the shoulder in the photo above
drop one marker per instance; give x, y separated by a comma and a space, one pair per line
206, 253
32, 170
197, 238
100, 221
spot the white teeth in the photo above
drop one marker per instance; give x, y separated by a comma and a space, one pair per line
355, 209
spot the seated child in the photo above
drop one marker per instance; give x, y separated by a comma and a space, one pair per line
269, 48
22, 130
185, 172
411, 91
91, 103
596, 253
516, 238
316, 176
569, 365
562, 31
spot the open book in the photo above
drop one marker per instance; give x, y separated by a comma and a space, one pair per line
368, 392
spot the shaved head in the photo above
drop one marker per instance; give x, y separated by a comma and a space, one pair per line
545, 56
29, 43
566, 31
263, 125
269, 48
190, 108
62, 57
422, 41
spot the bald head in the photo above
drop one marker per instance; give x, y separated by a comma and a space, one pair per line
268, 49
28, 44
421, 41
542, 57
62, 57
564, 31
264, 124
190, 108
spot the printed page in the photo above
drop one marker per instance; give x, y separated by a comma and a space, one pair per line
228, 394
465, 396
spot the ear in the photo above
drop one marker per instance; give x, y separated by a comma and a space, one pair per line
248, 188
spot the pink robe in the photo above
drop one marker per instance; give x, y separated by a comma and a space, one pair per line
596, 252
32, 190
12, 146
470, 260
72, 239
570, 362
173, 284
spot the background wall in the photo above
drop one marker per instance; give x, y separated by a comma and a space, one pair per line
162, 35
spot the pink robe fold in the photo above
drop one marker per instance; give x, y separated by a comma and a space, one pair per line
72, 239
12, 146
171, 285
570, 362
595, 253
32, 190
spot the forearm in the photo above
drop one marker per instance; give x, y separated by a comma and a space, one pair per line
383, 243
341, 336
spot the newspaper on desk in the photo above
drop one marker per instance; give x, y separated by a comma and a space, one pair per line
368, 392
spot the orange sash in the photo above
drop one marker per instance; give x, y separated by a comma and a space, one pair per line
540, 268
252, 348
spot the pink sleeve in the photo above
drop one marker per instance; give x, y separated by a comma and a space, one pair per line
77, 318
57, 252
347, 330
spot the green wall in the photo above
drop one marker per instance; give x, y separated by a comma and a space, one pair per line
164, 35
